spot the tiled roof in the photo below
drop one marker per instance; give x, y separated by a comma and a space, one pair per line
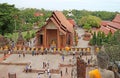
60, 21
116, 19
111, 26
114, 25
72, 21
104, 29
58, 26
64, 22
104, 23
38, 14
113, 30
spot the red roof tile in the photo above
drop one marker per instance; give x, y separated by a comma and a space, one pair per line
107, 26
64, 21
116, 19
61, 22
38, 14
72, 21
113, 30
104, 23
104, 29
114, 25
58, 26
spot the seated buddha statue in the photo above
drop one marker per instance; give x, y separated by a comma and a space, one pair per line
53, 43
101, 71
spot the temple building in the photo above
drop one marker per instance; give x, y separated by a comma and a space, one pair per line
111, 26
58, 32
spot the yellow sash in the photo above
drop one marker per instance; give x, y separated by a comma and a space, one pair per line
95, 74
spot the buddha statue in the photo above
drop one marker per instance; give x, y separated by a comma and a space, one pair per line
53, 43
101, 71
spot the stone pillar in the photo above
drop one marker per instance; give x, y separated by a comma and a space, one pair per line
58, 39
65, 40
45, 33
37, 40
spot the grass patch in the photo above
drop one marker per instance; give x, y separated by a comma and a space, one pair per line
14, 36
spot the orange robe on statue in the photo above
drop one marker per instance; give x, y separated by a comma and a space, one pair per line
94, 74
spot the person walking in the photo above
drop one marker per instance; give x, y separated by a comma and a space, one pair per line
63, 58
26, 69
48, 71
19, 54
73, 54
23, 54
72, 73
43, 64
61, 73
33, 53
38, 75
66, 71
49, 75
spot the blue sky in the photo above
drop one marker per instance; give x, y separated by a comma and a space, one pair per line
93, 5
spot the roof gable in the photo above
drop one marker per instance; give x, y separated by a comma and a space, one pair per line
63, 21
116, 19
60, 22
51, 25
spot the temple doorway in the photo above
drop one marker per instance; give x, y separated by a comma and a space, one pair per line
52, 38
41, 40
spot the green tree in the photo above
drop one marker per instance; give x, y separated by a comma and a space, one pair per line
104, 15
7, 13
113, 46
113, 52
87, 27
93, 40
98, 39
33, 17
28, 36
93, 21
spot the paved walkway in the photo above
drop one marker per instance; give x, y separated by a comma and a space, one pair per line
36, 63
82, 43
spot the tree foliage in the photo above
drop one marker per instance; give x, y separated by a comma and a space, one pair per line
7, 13
100, 38
111, 43
28, 36
29, 19
78, 14
87, 26
12, 18
113, 52
112, 46
93, 21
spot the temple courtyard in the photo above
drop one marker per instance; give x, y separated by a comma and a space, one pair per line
16, 65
